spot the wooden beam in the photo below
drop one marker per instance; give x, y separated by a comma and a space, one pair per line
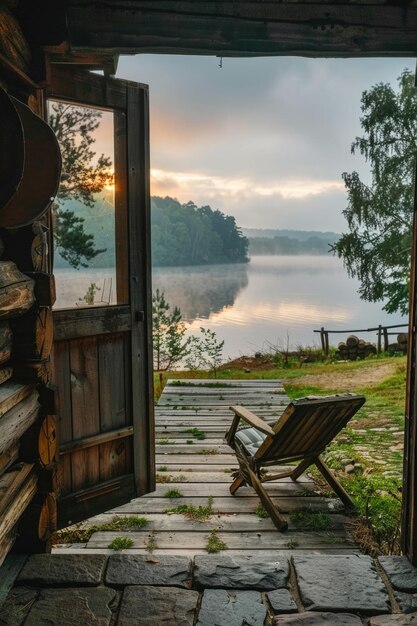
268, 27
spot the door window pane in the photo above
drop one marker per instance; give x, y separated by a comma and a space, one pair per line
89, 214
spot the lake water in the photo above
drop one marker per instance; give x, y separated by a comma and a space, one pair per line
253, 305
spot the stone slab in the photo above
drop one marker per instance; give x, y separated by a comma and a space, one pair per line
17, 606
240, 572
402, 575
221, 607
63, 569
72, 607
147, 606
138, 569
317, 619
281, 601
394, 620
345, 583
406, 601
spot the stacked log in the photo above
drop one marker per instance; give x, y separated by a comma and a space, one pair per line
354, 348
402, 342
28, 447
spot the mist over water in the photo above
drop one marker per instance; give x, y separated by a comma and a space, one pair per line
255, 304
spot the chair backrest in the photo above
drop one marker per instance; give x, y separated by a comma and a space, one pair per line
307, 426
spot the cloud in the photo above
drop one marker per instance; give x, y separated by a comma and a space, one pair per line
263, 139
186, 183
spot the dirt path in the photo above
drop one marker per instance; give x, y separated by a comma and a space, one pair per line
348, 380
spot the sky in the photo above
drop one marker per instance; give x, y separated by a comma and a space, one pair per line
263, 139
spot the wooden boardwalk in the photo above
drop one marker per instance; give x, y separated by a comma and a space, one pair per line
200, 470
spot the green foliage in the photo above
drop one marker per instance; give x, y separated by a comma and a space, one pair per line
184, 234
214, 544
283, 245
292, 544
120, 543
197, 433
377, 247
309, 519
168, 333
378, 500
90, 294
162, 468
173, 493
83, 176
78, 534
205, 352
171, 346
198, 513
261, 512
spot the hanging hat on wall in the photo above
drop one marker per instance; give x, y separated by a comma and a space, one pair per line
30, 164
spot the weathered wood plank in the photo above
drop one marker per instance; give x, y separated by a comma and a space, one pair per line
241, 522
226, 504
70, 323
85, 404
244, 28
222, 489
272, 539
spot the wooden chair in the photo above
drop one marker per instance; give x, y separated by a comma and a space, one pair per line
302, 433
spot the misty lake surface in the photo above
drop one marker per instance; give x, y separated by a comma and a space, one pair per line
252, 305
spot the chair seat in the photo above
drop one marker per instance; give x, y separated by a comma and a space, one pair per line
251, 439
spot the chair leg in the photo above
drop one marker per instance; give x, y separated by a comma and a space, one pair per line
238, 482
334, 483
301, 468
277, 518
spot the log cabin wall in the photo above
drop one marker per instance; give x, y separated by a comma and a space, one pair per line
28, 474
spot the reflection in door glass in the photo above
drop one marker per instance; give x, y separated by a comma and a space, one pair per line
84, 214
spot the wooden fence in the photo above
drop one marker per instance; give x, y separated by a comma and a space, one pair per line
383, 333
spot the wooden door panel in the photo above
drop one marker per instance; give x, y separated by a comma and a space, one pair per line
102, 354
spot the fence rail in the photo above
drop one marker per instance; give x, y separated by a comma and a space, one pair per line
382, 334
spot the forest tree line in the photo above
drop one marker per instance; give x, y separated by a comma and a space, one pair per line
282, 245
185, 234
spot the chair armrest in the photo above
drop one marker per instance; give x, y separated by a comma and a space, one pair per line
252, 419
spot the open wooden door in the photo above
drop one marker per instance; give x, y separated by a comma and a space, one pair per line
102, 358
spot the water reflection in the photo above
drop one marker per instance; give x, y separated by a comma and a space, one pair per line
200, 292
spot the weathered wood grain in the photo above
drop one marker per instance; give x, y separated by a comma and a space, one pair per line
244, 28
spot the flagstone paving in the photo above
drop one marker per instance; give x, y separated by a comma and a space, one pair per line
315, 590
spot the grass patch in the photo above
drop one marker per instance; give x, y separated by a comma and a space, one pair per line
189, 442
162, 468
260, 511
173, 493
163, 442
214, 544
120, 543
167, 478
81, 534
197, 513
309, 519
292, 544
197, 433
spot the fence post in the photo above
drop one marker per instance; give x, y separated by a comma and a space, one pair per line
326, 343
379, 339
386, 340
323, 347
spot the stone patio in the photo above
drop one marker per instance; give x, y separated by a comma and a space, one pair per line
212, 590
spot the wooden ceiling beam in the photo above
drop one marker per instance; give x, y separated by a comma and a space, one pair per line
240, 28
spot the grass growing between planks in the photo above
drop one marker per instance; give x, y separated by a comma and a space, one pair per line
79, 533
196, 513
120, 543
214, 544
